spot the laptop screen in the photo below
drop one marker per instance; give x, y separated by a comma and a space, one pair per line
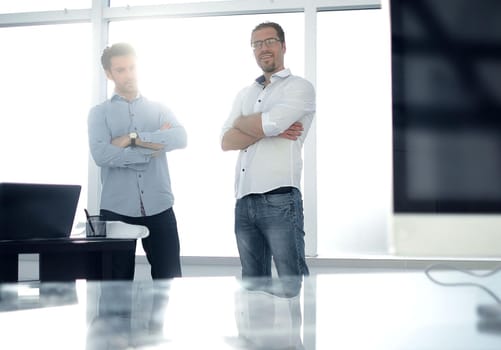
30, 211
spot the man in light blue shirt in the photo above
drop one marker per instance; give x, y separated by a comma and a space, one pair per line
268, 124
129, 137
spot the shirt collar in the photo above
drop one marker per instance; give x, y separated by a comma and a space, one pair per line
117, 96
284, 73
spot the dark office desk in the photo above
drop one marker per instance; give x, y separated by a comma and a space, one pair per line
63, 259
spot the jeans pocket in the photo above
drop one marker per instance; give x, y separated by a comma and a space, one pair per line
278, 200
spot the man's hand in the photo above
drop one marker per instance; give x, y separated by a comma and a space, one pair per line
293, 132
121, 141
166, 126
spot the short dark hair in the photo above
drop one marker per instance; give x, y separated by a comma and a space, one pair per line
276, 26
118, 49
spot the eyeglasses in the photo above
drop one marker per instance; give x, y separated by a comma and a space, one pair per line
256, 45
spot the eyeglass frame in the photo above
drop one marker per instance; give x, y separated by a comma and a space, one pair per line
264, 42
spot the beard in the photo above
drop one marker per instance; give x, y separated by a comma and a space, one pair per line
130, 87
270, 63
269, 68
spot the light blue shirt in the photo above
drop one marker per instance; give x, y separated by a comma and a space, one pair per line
133, 175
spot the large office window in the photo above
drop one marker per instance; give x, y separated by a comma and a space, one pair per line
353, 132
45, 93
197, 73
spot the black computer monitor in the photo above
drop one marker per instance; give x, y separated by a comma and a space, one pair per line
446, 89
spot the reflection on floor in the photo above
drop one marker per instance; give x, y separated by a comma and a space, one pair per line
396, 310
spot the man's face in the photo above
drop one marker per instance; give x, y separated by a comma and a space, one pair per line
269, 58
123, 73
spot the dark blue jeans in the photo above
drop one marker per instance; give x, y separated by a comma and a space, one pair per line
272, 226
161, 246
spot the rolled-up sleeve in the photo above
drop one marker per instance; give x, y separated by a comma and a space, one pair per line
297, 100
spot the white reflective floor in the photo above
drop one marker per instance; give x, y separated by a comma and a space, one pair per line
390, 310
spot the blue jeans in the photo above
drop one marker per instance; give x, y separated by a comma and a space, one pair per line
272, 225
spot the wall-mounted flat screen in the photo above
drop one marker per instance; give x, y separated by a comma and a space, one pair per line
446, 89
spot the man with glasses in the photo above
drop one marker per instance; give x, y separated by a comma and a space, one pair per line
129, 137
268, 124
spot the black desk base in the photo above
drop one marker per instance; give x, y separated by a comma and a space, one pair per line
63, 259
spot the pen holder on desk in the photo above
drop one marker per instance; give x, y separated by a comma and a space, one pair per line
95, 226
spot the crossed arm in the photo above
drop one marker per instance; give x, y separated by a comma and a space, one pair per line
125, 141
248, 129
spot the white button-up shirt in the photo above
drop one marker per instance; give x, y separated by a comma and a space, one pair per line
273, 161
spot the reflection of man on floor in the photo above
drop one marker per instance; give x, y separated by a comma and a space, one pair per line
267, 321
128, 314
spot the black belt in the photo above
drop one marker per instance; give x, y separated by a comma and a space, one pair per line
281, 190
